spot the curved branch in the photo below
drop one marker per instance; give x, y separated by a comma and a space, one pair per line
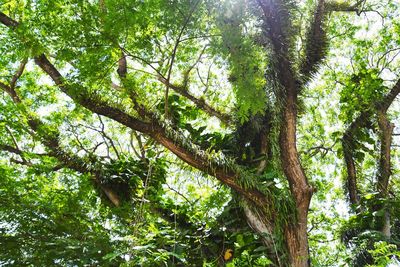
155, 130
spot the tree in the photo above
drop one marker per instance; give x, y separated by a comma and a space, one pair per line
105, 88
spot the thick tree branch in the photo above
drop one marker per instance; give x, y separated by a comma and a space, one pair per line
316, 43
7, 21
156, 131
389, 98
274, 15
122, 66
11, 149
276, 25
384, 170
348, 148
276, 28
349, 145
10, 91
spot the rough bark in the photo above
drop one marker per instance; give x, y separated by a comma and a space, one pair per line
386, 131
385, 128
349, 146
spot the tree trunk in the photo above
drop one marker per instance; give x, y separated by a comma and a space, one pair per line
295, 239
295, 232
297, 243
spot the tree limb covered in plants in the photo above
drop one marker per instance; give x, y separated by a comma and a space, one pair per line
316, 43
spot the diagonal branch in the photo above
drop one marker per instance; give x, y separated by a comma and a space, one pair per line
18, 74
385, 103
7, 21
316, 42
155, 130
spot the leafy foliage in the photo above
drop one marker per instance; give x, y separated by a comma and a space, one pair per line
115, 114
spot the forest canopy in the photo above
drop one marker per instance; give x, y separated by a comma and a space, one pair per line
199, 133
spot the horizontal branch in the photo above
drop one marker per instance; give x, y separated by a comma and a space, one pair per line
344, 6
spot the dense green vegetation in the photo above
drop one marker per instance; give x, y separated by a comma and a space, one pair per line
199, 133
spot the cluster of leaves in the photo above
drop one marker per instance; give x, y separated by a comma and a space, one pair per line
132, 178
246, 59
362, 232
49, 220
362, 89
